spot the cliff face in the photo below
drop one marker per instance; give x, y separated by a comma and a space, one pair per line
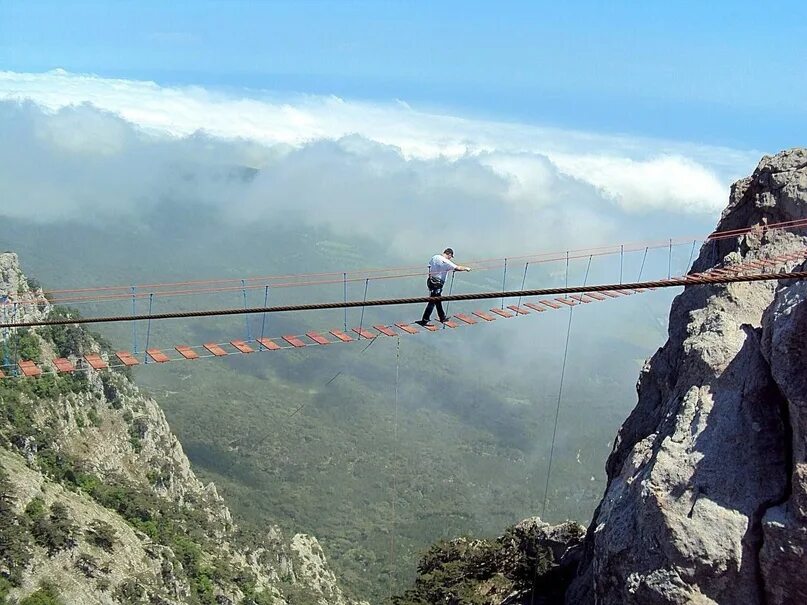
98, 502
706, 500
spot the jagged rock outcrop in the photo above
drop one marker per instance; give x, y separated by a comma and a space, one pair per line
99, 501
784, 527
530, 563
706, 500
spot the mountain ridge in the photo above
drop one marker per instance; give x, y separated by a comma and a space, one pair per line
90, 450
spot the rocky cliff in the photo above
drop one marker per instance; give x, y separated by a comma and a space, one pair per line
98, 502
706, 500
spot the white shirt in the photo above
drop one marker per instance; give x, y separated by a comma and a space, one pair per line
439, 266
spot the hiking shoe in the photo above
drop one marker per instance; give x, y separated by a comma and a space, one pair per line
422, 322
445, 319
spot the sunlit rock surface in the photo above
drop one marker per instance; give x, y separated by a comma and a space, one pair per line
706, 500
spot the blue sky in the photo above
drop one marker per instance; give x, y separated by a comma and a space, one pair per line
724, 73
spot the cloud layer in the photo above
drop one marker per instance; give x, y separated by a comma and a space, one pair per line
639, 175
90, 147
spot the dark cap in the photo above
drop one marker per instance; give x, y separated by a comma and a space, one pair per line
448, 251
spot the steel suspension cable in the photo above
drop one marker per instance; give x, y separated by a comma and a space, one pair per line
566, 282
523, 281
344, 287
669, 262
246, 318
263, 319
691, 254
621, 261
504, 279
394, 469
560, 395
450, 290
134, 323
689, 280
641, 268
124, 290
148, 332
361, 321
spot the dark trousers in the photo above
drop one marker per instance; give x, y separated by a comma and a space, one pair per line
435, 289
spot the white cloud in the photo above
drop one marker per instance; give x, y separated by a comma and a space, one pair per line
638, 175
670, 181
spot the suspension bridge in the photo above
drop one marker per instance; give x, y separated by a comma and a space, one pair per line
540, 301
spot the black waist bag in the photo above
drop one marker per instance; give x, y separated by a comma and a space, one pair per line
435, 283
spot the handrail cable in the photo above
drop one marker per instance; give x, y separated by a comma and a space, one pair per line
537, 257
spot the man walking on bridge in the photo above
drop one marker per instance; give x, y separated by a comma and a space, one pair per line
439, 266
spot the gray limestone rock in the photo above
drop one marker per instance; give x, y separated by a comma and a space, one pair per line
707, 482
784, 527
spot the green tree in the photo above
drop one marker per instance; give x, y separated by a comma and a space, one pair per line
44, 596
102, 535
15, 548
55, 532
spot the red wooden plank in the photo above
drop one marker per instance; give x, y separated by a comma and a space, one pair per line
518, 310
450, 323
431, 327
364, 333
385, 330
187, 352
466, 318
127, 358
407, 328
29, 368
95, 361
318, 338
595, 295
294, 341
502, 312
566, 301
549, 303
269, 344
535, 307
63, 365
580, 298
242, 346
215, 349
483, 315
612, 294
342, 336
625, 292
157, 355
756, 264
